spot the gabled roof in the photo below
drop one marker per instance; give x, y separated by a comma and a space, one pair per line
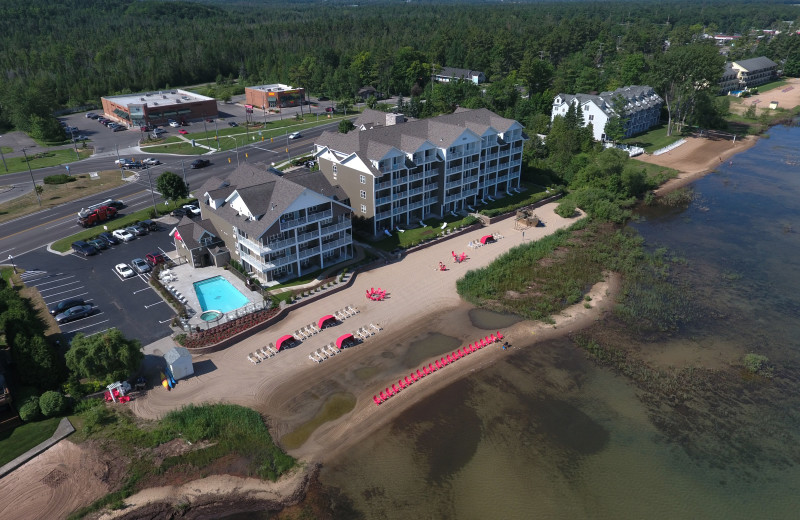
762, 62
376, 143
317, 182
452, 72
176, 353
192, 231
637, 97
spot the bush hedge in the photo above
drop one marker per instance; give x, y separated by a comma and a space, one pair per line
52, 404
61, 178
29, 411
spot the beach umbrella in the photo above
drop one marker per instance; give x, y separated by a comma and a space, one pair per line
400, 383
439, 364
472, 347
375, 398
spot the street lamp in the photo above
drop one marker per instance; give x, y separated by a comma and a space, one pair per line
152, 193
31, 172
11, 259
237, 147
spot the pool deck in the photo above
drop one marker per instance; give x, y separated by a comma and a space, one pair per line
183, 284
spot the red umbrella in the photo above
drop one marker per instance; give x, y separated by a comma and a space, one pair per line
483, 343
323, 319
428, 369
466, 351
283, 339
472, 347
487, 238
456, 354
439, 364
375, 398
340, 341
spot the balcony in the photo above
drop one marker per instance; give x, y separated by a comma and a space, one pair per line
400, 209
415, 177
263, 249
382, 215
307, 253
305, 237
337, 243
415, 205
432, 186
400, 180
327, 230
289, 224
414, 191
383, 200
319, 215
383, 185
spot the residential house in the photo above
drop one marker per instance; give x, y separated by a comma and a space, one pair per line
199, 243
641, 109
399, 173
448, 74
278, 226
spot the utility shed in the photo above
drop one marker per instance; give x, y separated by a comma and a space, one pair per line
179, 361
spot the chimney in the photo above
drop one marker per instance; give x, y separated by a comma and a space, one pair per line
394, 119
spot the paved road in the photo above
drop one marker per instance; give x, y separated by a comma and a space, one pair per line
20, 236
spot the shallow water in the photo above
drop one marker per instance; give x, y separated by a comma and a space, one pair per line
546, 433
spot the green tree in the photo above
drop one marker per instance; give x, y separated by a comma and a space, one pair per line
615, 129
105, 357
345, 125
681, 74
29, 410
172, 186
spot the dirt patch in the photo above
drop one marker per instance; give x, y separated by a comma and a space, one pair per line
787, 96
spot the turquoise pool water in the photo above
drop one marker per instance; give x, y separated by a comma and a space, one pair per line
218, 294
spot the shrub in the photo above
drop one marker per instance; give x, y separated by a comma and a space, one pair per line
61, 178
757, 364
566, 208
29, 411
52, 404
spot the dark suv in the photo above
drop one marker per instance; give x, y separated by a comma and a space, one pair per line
149, 225
64, 305
200, 163
83, 248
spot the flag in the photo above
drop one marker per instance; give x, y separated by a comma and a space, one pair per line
178, 235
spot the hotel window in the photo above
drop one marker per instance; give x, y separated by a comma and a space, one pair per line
363, 208
363, 194
334, 168
591, 117
363, 179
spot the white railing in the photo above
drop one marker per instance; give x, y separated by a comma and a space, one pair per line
337, 243
327, 230
383, 185
414, 191
265, 248
382, 215
306, 253
288, 224
320, 215
305, 237
432, 186
415, 205
383, 200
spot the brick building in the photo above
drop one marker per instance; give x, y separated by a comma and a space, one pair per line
157, 108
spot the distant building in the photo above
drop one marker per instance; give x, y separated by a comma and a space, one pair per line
156, 108
278, 226
365, 93
748, 74
399, 173
448, 74
274, 96
641, 109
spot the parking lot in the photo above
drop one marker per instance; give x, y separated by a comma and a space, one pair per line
130, 305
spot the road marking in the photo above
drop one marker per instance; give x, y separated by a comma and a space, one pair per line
165, 321
140, 290
87, 326
58, 286
65, 292
59, 224
37, 285
148, 306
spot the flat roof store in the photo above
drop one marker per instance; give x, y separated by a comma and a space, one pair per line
154, 108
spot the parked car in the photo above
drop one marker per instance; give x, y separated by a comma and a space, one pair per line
124, 270
184, 123
140, 266
194, 210
144, 128
98, 243
81, 138
295, 135
65, 304
200, 163
108, 237
91, 115
182, 131
179, 212
83, 248
123, 162
174, 124
74, 313
151, 162
116, 204
123, 235
149, 225
155, 258
118, 129
136, 230
233, 123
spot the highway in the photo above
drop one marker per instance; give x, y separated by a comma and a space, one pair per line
30, 232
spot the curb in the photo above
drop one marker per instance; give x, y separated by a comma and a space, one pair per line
63, 430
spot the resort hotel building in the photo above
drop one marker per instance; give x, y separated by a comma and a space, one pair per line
277, 225
157, 108
397, 173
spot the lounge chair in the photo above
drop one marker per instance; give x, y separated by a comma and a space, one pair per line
321, 354
312, 358
266, 352
376, 327
354, 310
252, 359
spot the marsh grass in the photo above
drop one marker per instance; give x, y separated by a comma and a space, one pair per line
538, 279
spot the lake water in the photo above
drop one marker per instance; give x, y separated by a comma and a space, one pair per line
547, 433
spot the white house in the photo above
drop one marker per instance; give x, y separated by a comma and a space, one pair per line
448, 74
641, 110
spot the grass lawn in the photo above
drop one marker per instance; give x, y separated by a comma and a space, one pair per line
43, 159
773, 85
14, 443
654, 139
125, 220
6, 149
412, 237
57, 194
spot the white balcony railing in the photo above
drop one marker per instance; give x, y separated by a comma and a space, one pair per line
320, 215
307, 253
327, 230
337, 243
382, 215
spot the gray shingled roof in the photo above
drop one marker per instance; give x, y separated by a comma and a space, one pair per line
762, 62
638, 97
316, 181
176, 353
441, 131
192, 231
452, 72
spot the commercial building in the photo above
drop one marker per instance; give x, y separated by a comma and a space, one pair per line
157, 108
278, 226
397, 173
274, 96
638, 106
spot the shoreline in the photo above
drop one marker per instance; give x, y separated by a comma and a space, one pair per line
697, 157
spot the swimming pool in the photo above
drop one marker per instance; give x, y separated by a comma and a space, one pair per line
218, 294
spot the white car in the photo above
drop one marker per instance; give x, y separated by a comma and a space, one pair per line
194, 210
123, 235
124, 270
295, 135
151, 162
174, 124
